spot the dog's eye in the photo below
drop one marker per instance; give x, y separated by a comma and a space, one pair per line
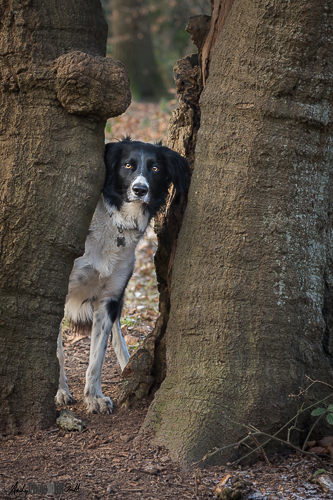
155, 168
128, 165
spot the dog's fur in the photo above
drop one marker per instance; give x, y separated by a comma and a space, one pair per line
138, 176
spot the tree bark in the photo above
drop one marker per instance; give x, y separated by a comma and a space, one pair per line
251, 291
57, 89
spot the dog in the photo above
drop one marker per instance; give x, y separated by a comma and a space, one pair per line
138, 177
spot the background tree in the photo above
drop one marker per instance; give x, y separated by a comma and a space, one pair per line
251, 300
106, 7
131, 43
171, 42
148, 37
56, 92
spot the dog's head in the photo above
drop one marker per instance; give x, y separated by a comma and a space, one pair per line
142, 172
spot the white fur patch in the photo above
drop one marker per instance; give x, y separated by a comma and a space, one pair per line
119, 345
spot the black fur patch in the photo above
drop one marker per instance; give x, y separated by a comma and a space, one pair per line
113, 308
121, 242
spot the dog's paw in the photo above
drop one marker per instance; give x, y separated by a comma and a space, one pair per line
64, 397
99, 405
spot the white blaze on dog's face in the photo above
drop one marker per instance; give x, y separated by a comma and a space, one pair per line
139, 190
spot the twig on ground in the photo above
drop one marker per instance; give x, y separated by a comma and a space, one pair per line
256, 442
209, 454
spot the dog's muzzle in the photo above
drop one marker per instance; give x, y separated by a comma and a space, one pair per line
140, 190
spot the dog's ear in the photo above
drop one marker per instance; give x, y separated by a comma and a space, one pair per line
178, 170
112, 154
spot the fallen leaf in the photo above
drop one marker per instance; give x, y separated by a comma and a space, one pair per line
318, 450
74, 339
68, 421
326, 441
310, 444
219, 487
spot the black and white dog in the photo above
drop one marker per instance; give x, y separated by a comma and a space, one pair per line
138, 176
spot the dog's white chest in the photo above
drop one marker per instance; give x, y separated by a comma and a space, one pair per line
113, 236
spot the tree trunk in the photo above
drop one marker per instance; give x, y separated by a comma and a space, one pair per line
56, 92
251, 292
182, 132
132, 45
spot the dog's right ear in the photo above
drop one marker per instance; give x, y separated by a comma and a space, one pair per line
112, 154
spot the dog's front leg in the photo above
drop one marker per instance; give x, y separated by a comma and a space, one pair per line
63, 396
103, 319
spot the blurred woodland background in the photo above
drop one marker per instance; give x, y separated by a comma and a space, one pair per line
148, 37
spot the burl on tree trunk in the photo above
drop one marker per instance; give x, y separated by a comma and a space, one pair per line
57, 89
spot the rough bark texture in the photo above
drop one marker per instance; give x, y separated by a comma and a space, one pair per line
251, 294
52, 170
92, 85
182, 132
220, 12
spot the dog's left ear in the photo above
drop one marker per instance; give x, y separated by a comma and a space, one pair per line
112, 153
178, 170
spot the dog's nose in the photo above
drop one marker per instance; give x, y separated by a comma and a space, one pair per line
140, 190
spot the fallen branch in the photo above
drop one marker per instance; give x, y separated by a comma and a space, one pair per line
256, 442
259, 447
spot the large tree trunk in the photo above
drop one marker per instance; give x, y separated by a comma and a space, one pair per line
251, 293
56, 92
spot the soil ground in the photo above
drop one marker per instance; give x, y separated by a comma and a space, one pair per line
108, 459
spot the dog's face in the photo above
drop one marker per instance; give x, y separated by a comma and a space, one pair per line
141, 172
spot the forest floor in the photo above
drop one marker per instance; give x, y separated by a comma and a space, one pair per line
108, 459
